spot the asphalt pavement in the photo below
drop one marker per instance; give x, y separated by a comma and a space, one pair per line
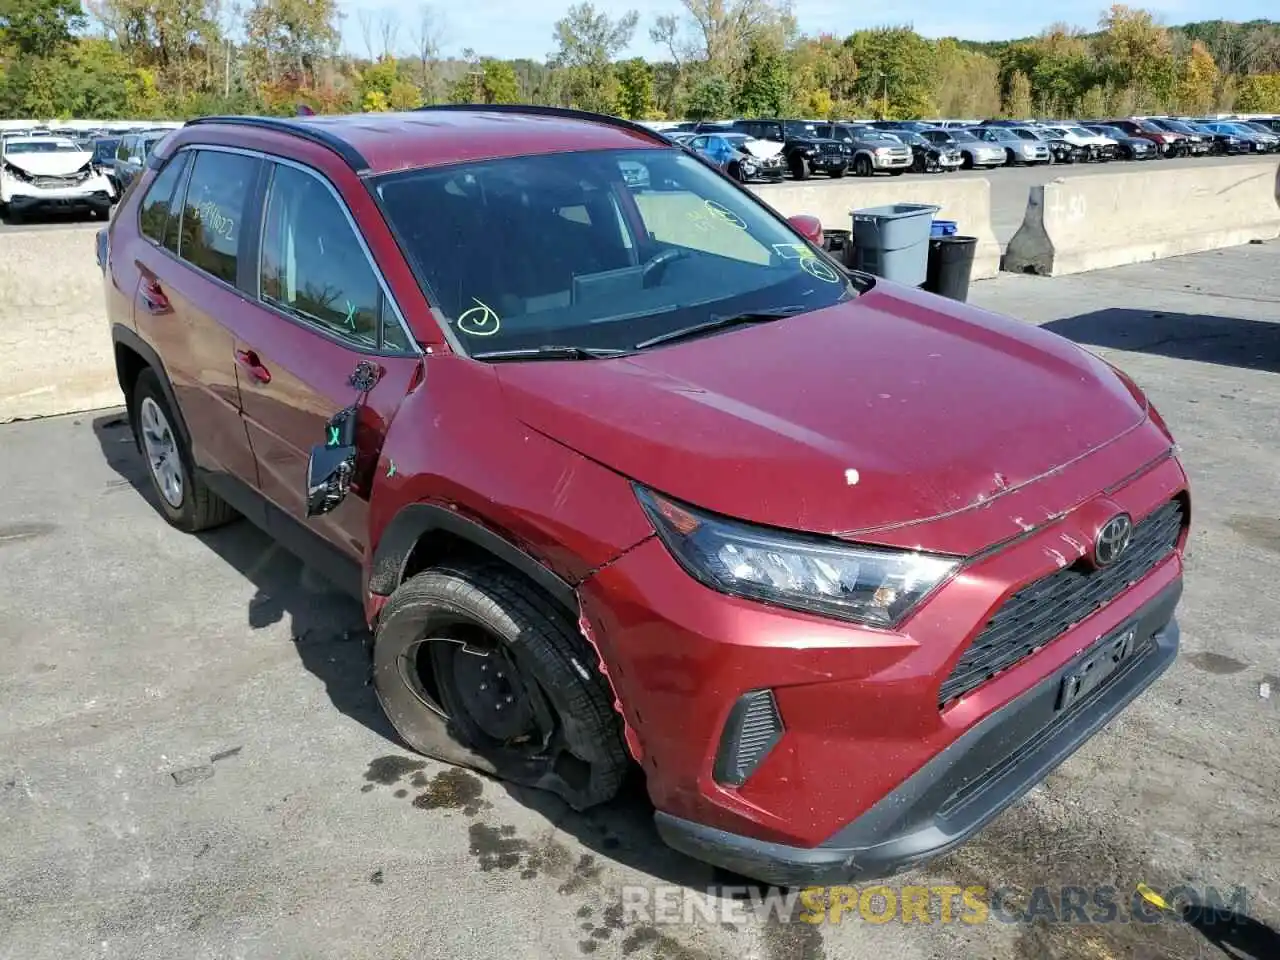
191, 763
1009, 187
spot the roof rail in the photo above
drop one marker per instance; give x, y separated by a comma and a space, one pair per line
306, 131
540, 111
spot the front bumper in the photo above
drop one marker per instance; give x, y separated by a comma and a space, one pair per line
773, 168
830, 161
901, 161
859, 707
987, 158
1033, 154
93, 192
961, 789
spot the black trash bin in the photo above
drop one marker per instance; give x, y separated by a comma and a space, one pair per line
950, 266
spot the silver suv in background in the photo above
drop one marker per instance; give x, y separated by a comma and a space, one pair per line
873, 150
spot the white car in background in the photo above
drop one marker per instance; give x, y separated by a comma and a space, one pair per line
1095, 145
51, 173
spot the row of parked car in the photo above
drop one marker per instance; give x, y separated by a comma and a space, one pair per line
772, 149
44, 170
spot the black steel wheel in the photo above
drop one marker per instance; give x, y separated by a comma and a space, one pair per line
477, 667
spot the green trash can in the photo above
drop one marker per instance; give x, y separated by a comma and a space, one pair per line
893, 241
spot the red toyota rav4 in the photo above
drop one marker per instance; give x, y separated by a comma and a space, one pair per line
624, 468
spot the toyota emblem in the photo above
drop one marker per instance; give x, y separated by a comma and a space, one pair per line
1112, 540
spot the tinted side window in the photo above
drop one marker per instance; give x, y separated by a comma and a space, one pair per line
153, 213
313, 266
212, 216
122, 151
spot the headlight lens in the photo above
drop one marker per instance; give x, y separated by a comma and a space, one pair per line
816, 575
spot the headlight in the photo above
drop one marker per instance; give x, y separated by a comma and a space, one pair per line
883, 151
813, 574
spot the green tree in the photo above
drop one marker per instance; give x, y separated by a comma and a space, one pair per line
967, 82
587, 41
1093, 104
635, 89
765, 86
37, 28
488, 81
896, 71
709, 99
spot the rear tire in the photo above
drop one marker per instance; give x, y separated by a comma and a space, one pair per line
186, 502
459, 644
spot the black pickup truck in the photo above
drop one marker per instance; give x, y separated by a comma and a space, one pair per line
806, 152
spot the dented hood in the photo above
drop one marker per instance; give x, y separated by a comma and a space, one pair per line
893, 408
763, 149
51, 164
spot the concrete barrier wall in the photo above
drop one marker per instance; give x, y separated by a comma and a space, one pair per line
1074, 224
55, 345
965, 200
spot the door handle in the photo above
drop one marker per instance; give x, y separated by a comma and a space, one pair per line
248, 359
153, 297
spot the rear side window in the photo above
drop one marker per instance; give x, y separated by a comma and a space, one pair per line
153, 214
313, 266
122, 150
213, 214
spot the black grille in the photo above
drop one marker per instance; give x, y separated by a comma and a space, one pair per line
1041, 611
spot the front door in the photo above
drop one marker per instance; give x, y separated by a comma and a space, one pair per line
325, 310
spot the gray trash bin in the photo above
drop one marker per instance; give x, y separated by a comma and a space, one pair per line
893, 241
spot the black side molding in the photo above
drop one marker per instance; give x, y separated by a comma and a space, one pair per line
122, 336
420, 520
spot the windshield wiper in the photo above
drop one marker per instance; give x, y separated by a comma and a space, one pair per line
720, 322
552, 352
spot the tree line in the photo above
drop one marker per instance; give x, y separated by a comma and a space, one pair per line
180, 58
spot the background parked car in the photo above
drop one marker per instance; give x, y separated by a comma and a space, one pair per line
1127, 147
1269, 136
976, 154
1195, 143
1254, 140
873, 150
742, 157
805, 151
1020, 145
131, 157
927, 156
1092, 146
1167, 143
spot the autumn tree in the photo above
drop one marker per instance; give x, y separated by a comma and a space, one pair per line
718, 33
1197, 81
1259, 93
486, 81
587, 42
1017, 102
967, 83
1135, 53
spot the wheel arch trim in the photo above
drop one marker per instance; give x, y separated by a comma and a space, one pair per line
122, 336
418, 520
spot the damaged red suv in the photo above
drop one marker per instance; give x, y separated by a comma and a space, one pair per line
626, 470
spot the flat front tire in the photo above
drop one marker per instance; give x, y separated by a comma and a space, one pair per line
475, 666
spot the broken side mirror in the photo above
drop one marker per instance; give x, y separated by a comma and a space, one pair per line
331, 464
810, 227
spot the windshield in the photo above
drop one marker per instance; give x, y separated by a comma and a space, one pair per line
1239, 128
999, 133
911, 137
1114, 132
1148, 126
563, 249
42, 145
1079, 131
1024, 134
962, 136
796, 128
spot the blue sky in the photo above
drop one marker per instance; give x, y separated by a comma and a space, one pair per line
523, 28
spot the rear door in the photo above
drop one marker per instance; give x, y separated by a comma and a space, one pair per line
188, 299
325, 310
